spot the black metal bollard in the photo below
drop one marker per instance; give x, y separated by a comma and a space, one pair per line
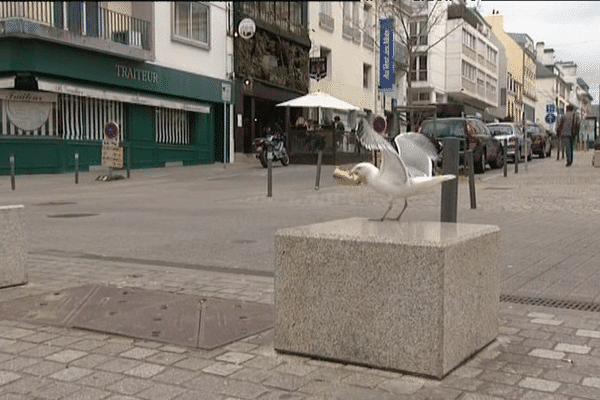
12, 171
450, 188
76, 168
128, 161
505, 152
517, 157
269, 173
469, 157
319, 161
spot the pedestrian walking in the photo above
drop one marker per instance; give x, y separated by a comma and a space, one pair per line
338, 130
567, 130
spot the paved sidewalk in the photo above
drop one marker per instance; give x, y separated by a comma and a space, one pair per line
541, 352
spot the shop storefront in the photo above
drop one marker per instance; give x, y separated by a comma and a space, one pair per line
68, 94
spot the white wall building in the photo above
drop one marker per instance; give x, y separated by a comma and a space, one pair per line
344, 33
457, 62
551, 88
208, 54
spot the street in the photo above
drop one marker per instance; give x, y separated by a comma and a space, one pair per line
213, 218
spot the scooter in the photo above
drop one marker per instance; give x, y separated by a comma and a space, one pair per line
273, 142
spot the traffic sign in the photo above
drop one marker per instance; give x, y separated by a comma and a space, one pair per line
550, 118
111, 132
379, 124
550, 109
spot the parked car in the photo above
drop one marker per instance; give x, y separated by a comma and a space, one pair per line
475, 135
541, 140
513, 136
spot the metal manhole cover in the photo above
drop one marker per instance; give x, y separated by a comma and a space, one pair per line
55, 203
79, 215
191, 321
51, 308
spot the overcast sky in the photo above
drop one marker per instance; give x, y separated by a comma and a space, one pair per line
571, 28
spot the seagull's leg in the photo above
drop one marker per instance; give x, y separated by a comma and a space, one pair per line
405, 204
388, 210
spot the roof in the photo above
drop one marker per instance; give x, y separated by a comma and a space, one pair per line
543, 71
582, 83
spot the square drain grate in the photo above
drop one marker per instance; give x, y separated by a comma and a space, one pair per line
191, 321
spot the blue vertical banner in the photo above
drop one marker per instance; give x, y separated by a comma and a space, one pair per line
386, 55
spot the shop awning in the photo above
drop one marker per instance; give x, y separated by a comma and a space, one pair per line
86, 91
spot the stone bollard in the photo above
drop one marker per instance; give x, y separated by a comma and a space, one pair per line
13, 249
418, 297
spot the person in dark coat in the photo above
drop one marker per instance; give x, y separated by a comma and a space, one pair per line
568, 129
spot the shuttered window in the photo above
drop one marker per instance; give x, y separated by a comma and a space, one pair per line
172, 126
83, 118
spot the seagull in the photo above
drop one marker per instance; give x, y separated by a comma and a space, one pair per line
403, 173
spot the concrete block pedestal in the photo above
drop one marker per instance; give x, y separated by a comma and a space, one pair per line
13, 250
418, 297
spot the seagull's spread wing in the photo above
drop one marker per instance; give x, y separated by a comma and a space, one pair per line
417, 152
393, 170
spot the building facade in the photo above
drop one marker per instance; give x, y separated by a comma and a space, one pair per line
514, 69
472, 61
157, 69
455, 63
528, 72
270, 67
553, 92
343, 33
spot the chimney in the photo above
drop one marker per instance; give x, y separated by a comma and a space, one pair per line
539, 51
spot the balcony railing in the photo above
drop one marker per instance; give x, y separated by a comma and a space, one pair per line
81, 19
290, 21
326, 22
368, 41
356, 35
347, 30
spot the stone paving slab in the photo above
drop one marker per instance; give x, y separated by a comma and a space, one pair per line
541, 353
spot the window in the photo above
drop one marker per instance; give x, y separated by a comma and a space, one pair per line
172, 126
468, 39
424, 96
491, 85
355, 15
325, 8
366, 76
481, 46
83, 118
418, 32
326, 53
480, 78
190, 23
419, 68
492, 55
468, 71
326, 20
368, 19
347, 29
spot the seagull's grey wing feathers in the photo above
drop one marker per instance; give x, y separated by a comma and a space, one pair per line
417, 152
392, 168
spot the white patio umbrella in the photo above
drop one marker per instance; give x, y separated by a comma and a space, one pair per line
319, 100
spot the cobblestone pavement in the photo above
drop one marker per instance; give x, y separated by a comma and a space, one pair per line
541, 352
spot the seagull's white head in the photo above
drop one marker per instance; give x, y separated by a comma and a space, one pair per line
365, 171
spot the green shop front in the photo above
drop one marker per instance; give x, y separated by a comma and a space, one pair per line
56, 99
